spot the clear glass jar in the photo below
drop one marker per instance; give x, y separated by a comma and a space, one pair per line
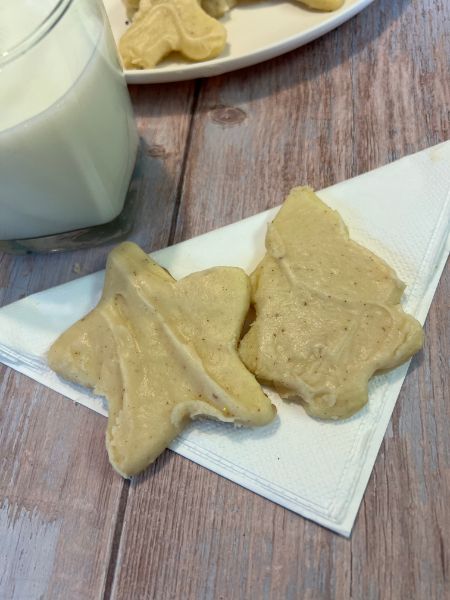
67, 135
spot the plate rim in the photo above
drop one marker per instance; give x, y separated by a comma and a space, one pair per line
221, 65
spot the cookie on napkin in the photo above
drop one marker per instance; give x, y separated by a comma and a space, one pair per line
162, 352
328, 312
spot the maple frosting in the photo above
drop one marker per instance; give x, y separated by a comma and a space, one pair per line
162, 352
328, 312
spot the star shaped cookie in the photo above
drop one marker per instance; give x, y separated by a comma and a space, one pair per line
328, 312
162, 352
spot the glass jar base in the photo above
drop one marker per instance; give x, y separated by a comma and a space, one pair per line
89, 237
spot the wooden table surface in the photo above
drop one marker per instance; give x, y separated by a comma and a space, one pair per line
212, 152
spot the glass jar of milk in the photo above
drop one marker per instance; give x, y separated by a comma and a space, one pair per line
67, 136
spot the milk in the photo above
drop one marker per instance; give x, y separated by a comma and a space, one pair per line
67, 136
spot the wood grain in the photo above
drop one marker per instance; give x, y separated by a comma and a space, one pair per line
189, 533
213, 152
60, 502
58, 496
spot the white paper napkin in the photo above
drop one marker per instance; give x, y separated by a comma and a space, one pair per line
317, 469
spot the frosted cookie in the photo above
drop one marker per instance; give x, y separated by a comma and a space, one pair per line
328, 312
162, 352
327, 5
163, 26
217, 8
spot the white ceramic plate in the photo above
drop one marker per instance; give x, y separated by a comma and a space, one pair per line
256, 32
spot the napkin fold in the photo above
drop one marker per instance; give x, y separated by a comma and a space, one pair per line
315, 468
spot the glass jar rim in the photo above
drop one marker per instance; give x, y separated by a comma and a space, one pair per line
38, 33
